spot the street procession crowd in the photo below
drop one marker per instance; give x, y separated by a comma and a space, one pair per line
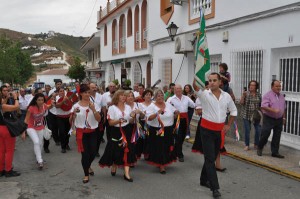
150, 122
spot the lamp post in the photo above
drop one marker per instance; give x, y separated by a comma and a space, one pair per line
100, 64
172, 30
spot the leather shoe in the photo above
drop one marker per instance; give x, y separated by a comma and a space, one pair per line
47, 150
205, 184
2, 173
63, 151
181, 159
277, 155
221, 170
216, 193
113, 173
11, 173
259, 152
128, 179
85, 180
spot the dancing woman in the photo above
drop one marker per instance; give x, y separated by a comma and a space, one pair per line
86, 116
161, 141
117, 151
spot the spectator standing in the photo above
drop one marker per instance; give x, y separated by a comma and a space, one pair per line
225, 76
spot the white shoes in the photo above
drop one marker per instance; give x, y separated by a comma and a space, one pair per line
187, 137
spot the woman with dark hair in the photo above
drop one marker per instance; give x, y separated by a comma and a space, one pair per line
251, 101
62, 118
35, 119
86, 116
161, 141
7, 143
188, 91
117, 151
142, 145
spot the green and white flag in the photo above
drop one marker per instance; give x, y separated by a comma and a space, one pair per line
202, 59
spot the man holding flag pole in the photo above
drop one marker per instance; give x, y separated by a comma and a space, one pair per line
215, 104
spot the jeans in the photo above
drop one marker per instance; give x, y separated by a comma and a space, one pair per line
37, 139
247, 127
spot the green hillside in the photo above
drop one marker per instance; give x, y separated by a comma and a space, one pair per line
69, 44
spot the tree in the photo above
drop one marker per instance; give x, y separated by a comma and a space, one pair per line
76, 71
15, 65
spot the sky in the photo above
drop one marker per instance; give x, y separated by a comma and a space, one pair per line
71, 17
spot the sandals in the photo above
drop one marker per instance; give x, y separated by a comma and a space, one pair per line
85, 180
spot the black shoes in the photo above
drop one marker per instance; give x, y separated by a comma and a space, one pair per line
181, 159
11, 173
2, 173
205, 184
163, 172
47, 150
216, 193
63, 150
128, 179
85, 180
221, 170
68, 148
277, 155
113, 173
259, 152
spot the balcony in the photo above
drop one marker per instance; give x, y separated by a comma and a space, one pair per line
110, 6
194, 9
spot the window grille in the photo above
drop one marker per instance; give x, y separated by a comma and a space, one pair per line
145, 34
137, 73
292, 118
166, 71
123, 42
111, 73
115, 44
215, 61
246, 65
290, 74
137, 37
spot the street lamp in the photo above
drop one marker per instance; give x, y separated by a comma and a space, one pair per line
100, 64
172, 30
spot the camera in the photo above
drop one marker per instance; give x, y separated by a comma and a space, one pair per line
245, 88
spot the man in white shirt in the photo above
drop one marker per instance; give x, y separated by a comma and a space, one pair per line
181, 103
51, 117
215, 104
106, 102
96, 98
23, 101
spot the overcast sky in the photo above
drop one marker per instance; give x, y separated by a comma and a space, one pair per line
64, 16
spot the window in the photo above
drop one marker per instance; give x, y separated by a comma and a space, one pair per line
166, 10
166, 71
137, 73
215, 61
111, 73
246, 65
137, 27
194, 10
144, 24
105, 35
129, 23
290, 74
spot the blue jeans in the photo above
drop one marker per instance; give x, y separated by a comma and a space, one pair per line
247, 127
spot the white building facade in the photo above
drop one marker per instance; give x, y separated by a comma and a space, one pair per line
258, 40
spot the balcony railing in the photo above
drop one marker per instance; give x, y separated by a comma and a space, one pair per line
123, 42
195, 6
111, 5
115, 45
145, 34
137, 37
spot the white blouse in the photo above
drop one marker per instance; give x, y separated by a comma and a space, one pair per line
81, 121
167, 118
115, 113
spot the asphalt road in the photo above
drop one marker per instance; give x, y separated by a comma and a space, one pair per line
62, 179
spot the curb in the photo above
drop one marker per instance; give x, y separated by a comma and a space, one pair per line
272, 168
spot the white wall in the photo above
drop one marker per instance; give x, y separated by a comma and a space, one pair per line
48, 79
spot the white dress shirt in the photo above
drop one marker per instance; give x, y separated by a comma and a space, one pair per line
213, 109
97, 100
106, 98
24, 102
182, 104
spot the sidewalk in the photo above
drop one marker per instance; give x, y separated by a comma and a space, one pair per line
289, 166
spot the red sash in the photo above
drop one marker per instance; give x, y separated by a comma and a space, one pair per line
79, 135
186, 117
214, 127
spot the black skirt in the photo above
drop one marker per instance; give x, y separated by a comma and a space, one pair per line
115, 153
161, 148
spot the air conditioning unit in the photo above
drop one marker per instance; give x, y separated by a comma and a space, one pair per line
183, 43
178, 2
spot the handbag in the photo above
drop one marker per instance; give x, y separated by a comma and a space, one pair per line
14, 125
47, 132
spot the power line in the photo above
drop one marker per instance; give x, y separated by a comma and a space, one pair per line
88, 21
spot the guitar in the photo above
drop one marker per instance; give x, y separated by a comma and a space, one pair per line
72, 98
156, 83
48, 98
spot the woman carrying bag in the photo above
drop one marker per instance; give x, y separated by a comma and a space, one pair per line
7, 142
36, 125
